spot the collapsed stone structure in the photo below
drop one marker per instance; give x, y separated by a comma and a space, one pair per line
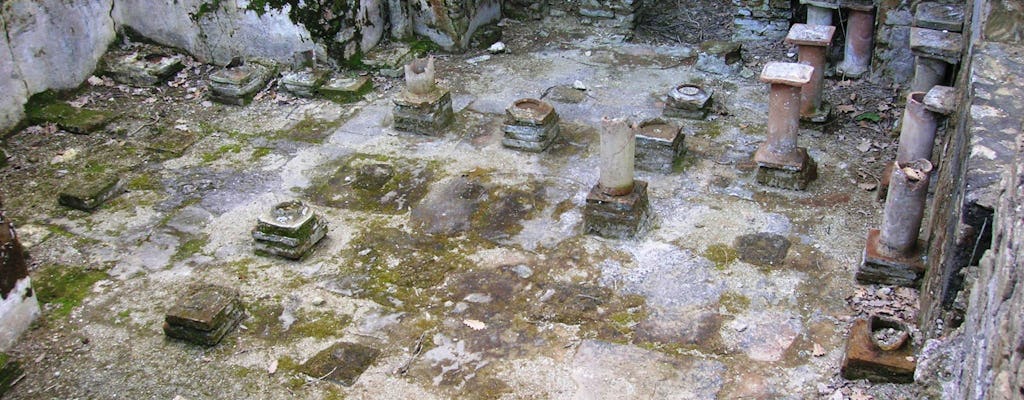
971, 290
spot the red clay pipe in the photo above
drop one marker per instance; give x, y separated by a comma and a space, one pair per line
904, 208
813, 42
860, 30
917, 136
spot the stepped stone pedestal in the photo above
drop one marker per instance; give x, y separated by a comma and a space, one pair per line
688, 101
204, 314
238, 85
289, 230
143, 68
659, 145
530, 125
304, 83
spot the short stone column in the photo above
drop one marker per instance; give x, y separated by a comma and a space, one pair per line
659, 145
860, 32
423, 107
204, 314
688, 101
530, 125
819, 12
813, 42
18, 303
934, 53
238, 85
617, 206
892, 255
780, 162
290, 230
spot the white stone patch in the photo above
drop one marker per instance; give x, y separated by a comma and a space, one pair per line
762, 335
983, 151
17, 312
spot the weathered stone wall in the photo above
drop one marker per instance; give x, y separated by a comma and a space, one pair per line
761, 20
893, 61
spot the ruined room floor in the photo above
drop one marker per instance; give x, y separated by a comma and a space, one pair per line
735, 291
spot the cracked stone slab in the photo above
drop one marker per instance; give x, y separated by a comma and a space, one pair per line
943, 17
931, 43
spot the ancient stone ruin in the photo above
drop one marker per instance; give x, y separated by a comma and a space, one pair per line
482, 199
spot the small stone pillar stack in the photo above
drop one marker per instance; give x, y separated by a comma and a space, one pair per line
289, 230
423, 107
659, 145
780, 162
820, 12
617, 206
204, 314
238, 85
813, 42
860, 33
530, 125
688, 101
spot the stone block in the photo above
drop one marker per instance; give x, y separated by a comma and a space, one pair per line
143, 68
341, 363
238, 85
719, 57
617, 217
659, 145
530, 125
289, 230
426, 114
304, 83
204, 314
82, 121
941, 100
880, 267
794, 173
943, 17
785, 73
688, 101
389, 61
867, 359
90, 192
343, 89
930, 43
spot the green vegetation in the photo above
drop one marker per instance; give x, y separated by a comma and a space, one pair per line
721, 254
221, 151
734, 302
64, 286
259, 153
190, 247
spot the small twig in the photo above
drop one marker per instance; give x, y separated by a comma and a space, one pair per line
417, 348
154, 121
977, 241
328, 374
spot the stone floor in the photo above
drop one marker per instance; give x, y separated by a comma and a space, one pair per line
468, 275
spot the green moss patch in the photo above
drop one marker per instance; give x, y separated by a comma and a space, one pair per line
374, 183
721, 254
64, 287
46, 108
308, 130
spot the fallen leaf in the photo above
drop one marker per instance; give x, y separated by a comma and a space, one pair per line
272, 368
94, 80
884, 107
868, 116
868, 186
853, 97
864, 146
474, 324
846, 108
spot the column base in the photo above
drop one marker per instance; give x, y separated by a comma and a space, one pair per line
898, 270
790, 171
616, 217
426, 114
820, 116
866, 360
850, 70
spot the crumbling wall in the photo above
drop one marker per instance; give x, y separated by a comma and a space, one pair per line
893, 60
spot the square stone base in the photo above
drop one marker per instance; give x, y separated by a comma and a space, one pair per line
90, 193
658, 155
530, 137
427, 115
672, 112
204, 314
616, 217
293, 248
865, 360
795, 174
889, 270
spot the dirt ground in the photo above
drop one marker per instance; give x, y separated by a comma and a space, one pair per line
515, 301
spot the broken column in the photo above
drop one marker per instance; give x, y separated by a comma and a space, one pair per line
780, 162
819, 12
617, 206
688, 101
305, 82
892, 255
935, 52
530, 125
18, 304
142, 68
917, 137
290, 230
879, 350
423, 107
237, 85
204, 314
813, 42
659, 145
343, 89
860, 32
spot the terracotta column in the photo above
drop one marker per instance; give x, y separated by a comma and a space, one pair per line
892, 255
813, 42
934, 52
860, 31
819, 12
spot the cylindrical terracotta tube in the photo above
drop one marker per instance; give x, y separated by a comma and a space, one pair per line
917, 137
618, 152
419, 76
783, 118
810, 94
928, 72
904, 207
860, 30
818, 15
